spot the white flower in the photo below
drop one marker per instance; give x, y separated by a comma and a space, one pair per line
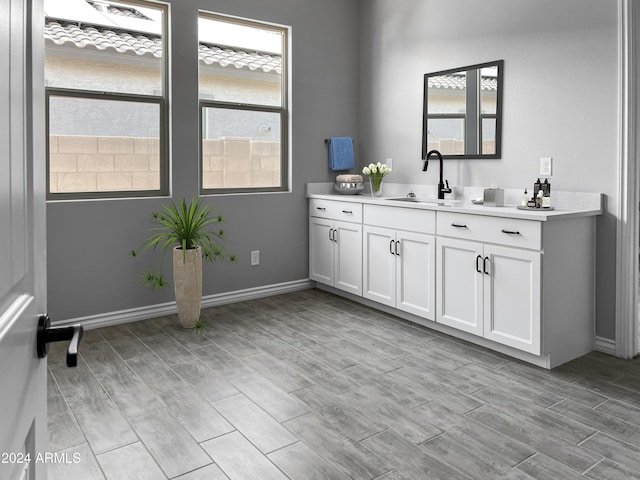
377, 170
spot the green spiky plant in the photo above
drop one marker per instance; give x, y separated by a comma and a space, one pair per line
198, 326
187, 225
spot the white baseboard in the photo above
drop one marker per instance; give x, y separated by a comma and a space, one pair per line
605, 345
169, 308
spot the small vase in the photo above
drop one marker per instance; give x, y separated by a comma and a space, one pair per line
376, 186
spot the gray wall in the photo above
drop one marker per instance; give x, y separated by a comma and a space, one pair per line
560, 97
560, 100
89, 269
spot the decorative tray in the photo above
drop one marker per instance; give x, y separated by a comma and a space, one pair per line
535, 209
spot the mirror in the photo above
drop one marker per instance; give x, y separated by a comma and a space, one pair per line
462, 112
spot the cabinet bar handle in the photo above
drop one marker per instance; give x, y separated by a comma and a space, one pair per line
335, 238
397, 243
478, 258
458, 225
332, 237
391, 247
347, 211
510, 232
484, 265
321, 208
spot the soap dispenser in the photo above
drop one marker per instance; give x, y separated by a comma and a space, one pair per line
546, 194
536, 188
525, 198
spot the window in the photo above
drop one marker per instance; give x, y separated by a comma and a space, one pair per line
243, 105
105, 76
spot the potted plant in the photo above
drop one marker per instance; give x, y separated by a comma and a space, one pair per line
191, 231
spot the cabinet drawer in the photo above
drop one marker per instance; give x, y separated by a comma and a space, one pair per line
412, 219
336, 210
503, 231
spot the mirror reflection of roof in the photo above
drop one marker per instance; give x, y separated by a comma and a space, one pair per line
459, 82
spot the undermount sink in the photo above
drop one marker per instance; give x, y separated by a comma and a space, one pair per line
433, 201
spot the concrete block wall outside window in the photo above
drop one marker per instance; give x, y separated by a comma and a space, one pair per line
98, 163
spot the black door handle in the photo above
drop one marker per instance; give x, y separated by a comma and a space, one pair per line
478, 258
391, 243
484, 265
47, 334
396, 249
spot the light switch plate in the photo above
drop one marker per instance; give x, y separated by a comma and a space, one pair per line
546, 166
255, 257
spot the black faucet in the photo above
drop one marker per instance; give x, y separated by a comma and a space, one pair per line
441, 187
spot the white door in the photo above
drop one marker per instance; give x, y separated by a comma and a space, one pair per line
415, 274
379, 265
512, 298
459, 281
321, 234
348, 257
23, 422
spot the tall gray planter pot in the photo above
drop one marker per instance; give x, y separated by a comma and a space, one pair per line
187, 283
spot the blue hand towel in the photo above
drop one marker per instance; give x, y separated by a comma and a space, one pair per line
341, 153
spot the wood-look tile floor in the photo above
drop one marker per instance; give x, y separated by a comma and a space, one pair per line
309, 386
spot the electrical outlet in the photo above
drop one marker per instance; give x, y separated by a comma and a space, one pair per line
389, 162
545, 166
255, 257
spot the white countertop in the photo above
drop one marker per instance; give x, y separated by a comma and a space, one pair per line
566, 204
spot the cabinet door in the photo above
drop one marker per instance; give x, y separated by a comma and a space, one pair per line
415, 274
512, 298
459, 284
379, 265
321, 250
348, 257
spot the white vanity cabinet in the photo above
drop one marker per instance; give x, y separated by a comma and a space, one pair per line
335, 238
399, 258
490, 291
512, 297
522, 283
